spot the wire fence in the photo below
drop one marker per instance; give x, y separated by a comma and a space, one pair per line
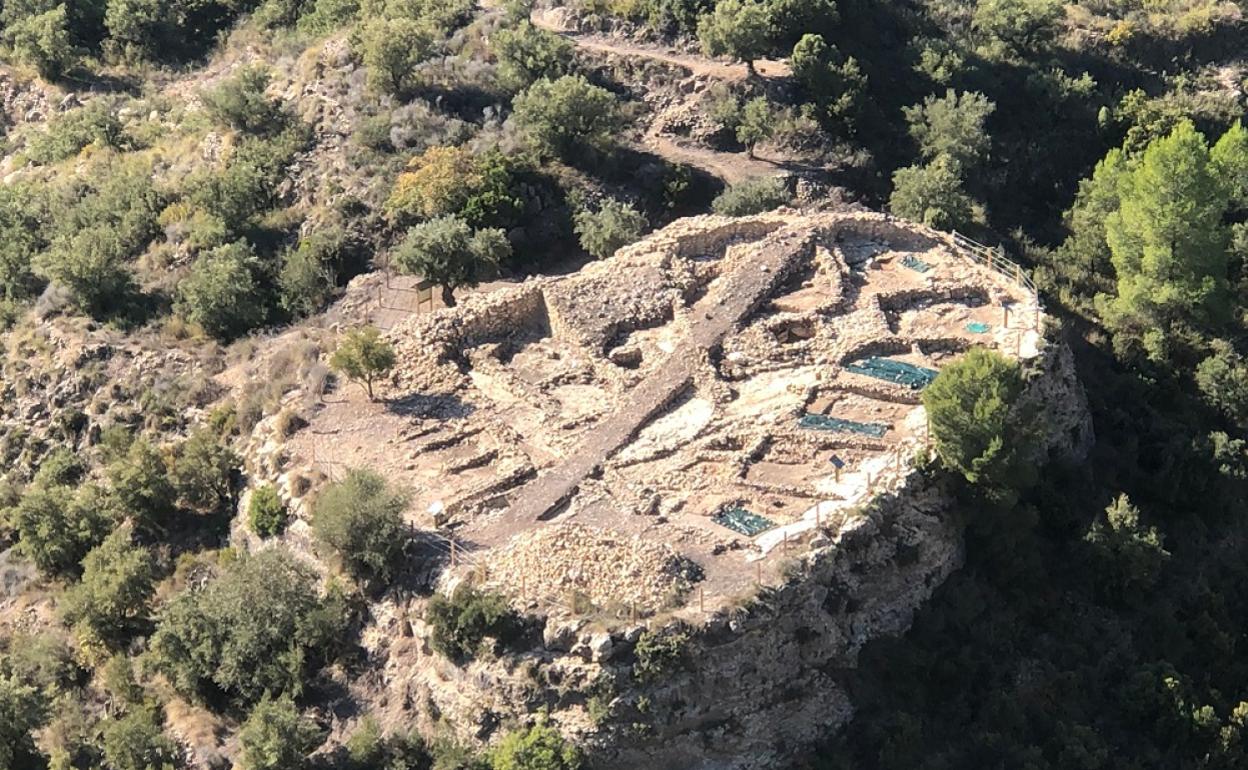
399, 300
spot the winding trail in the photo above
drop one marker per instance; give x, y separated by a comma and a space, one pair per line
731, 167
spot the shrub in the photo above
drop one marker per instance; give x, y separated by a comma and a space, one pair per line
758, 122
391, 49
568, 117
56, 526
136, 742
22, 711
752, 196
660, 652
240, 102
310, 272
221, 294
738, 28
361, 519
117, 580
526, 54
363, 356
462, 621
276, 737
614, 225
66, 134
203, 470
257, 627
540, 747
60, 467
450, 253
266, 512
368, 749
140, 482
931, 194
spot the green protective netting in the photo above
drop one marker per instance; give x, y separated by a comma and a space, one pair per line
900, 372
741, 520
977, 327
915, 264
823, 422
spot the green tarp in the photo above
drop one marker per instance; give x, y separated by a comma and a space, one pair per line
900, 372
823, 422
741, 520
915, 264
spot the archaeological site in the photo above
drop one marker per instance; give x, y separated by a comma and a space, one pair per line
706, 452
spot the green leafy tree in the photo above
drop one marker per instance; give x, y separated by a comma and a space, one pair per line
266, 512
952, 126
361, 519
44, 41
92, 264
135, 742
790, 20
221, 294
1130, 554
203, 470
258, 627
540, 747
832, 81
448, 252
56, 526
1084, 258
752, 196
140, 482
112, 597
22, 711
1023, 24
978, 425
567, 117
391, 49
932, 194
1223, 380
527, 54
276, 736
1230, 163
1168, 244
738, 28
758, 123
363, 356
613, 226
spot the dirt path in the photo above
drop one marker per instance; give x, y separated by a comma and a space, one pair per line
731, 167
695, 65
715, 315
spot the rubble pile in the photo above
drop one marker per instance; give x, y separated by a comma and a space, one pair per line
570, 561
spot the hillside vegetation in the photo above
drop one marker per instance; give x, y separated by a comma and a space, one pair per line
191, 186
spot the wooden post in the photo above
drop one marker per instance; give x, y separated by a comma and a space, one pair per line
701, 599
837, 471
1005, 316
632, 612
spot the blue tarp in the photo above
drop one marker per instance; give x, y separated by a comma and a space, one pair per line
977, 327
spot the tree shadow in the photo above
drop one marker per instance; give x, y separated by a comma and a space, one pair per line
445, 406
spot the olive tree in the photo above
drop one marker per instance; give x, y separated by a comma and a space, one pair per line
450, 253
614, 225
567, 117
363, 356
